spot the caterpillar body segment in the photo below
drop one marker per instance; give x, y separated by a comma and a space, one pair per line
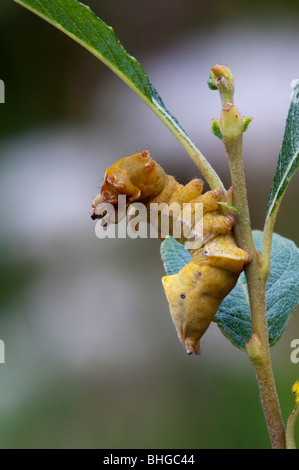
195, 293
194, 296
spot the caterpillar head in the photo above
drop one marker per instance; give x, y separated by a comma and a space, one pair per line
137, 177
194, 296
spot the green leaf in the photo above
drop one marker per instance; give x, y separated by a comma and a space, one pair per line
211, 83
229, 207
216, 128
81, 24
282, 294
246, 122
288, 161
282, 291
174, 255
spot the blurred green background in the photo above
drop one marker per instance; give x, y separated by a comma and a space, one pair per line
92, 357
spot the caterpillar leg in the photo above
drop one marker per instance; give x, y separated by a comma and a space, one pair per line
210, 200
187, 193
215, 224
206, 228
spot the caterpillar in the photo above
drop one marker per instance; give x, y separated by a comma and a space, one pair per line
195, 293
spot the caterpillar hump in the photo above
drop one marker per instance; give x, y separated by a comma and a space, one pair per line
196, 292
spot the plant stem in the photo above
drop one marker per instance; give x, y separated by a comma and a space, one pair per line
198, 158
290, 432
267, 241
261, 358
232, 128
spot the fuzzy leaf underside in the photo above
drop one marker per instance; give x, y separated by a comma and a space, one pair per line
174, 255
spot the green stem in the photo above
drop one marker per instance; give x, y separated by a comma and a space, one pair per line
257, 294
290, 432
198, 158
267, 242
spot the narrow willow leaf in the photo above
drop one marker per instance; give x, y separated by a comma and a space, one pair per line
81, 24
282, 290
288, 161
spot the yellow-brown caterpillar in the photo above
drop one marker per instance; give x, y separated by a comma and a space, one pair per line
195, 293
